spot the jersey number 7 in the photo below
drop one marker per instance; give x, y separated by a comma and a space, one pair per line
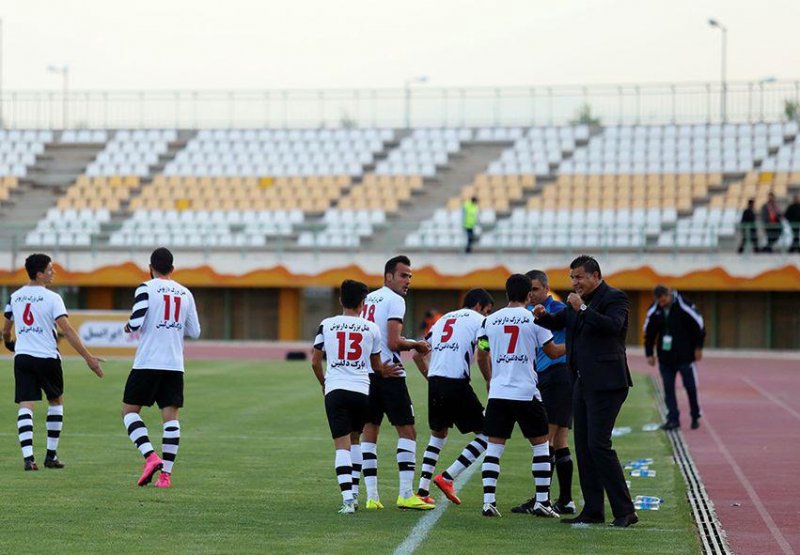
513, 331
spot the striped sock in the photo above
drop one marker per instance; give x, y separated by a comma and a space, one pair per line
540, 467
370, 469
25, 429
344, 474
490, 471
55, 421
429, 460
137, 431
356, 459
468, 456
406, 465
170, 443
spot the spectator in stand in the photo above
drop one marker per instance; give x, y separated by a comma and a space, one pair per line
470, 220
431, 317
792, 215
771, 218
748, 227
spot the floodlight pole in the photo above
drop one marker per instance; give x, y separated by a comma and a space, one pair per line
407, 90
723, 100
64, 72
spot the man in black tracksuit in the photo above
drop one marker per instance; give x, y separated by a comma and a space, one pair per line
676, 327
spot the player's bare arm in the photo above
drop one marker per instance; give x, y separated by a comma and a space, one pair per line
316, 366
387, 370
7, 325
554, 350
485, 365
423, 362
396, 342
71, 336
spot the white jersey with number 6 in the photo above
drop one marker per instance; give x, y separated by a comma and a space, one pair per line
513, 339
163, 313
34, 311
452, 340
348, 342
381, 306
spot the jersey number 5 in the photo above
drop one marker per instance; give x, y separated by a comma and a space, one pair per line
177, 301
447, 330
354, 351
513, 331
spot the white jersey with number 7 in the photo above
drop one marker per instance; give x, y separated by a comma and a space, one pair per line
163, 312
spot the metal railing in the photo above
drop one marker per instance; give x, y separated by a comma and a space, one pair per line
418, 106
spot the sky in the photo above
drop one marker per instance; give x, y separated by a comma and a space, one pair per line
200, 44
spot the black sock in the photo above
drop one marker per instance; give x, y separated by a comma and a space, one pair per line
564, 471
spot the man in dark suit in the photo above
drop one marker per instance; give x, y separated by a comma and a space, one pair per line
596, 322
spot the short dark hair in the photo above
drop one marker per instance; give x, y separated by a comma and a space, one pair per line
588, 263
478, 297
36, 263
518, 286
352, 293
539, 276
391, 264
161, 261
660, 290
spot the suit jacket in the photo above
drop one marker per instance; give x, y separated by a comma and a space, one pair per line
596, 339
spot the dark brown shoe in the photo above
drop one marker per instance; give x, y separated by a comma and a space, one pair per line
53, 463
584, 519
625, 521
31, 465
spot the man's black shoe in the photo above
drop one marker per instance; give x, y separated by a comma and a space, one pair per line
562, 508
625, 521
583, 519
670, 426
30, 464
695, 423
526, 507
53, 462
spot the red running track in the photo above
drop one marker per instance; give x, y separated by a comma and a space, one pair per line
747, 449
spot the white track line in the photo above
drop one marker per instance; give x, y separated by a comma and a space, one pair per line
751, 492
772, 397
423, 527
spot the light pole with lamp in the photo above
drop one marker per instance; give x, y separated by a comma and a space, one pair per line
64, 72
761, 83
724, 93
409, 82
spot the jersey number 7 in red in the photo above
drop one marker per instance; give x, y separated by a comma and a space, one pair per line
354, 351
177, 301
513, 331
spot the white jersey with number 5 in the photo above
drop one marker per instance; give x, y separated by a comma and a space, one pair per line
348, 342
513, 339
452, 340
381, 306
163, 313
34, 311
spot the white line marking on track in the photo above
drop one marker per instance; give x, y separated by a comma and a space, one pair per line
751, 492
424, 525
772, 397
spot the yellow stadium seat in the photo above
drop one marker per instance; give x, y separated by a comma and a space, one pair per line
115, 181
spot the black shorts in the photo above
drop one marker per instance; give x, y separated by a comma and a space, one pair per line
32, 375
502, 414
347, 411
389, 396
145, 387
452, 401
555, 385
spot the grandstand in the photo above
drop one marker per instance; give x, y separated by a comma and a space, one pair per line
628, 192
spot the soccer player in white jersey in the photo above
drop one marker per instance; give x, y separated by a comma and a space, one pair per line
387, 308
352, 347
34, 311
507, 343
451, 399
163, 313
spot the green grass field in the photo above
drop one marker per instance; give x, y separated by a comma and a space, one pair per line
255, 475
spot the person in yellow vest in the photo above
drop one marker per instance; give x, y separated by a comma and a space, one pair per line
470, 219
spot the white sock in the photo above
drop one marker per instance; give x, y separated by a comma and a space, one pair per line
137, 431
344, 474
468, 456
370, 469
429, 460
540, 467
356, 459
406, 465
170, 443
490, 471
